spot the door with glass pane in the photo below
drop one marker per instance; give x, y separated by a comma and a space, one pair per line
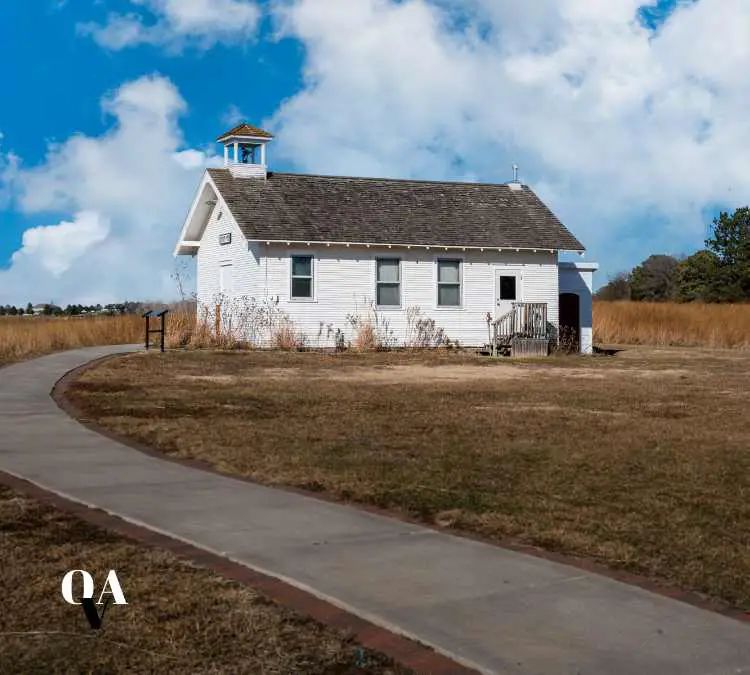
507, 291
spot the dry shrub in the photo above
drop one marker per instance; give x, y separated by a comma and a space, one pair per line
365, 339
286, 337
422, 331
663, 324
372, 331
181, 329
567, 342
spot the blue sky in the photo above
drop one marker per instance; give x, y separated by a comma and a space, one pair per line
628, 119
64, 76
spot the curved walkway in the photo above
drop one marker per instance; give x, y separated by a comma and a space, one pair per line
493, 609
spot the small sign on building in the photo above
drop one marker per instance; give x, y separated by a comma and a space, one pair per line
225, 238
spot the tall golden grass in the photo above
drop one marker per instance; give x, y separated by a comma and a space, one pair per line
664, 324
25, 337
28, 336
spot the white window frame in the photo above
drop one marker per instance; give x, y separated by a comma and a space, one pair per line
510, 272
313, 271
400, 261
460, 261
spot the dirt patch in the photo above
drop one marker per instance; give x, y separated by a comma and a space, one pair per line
557, 409
213, 379
421, 374
600, 374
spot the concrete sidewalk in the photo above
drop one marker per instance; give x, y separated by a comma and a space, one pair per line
496, 610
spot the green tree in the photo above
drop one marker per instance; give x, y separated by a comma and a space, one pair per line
730, 243
654, 279
29, 309
698, 278
617, 288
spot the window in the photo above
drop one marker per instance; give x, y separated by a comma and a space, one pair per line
302, 277
508, 288
449, 283
388, 282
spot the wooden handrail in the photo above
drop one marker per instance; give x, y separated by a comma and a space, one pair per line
525, 320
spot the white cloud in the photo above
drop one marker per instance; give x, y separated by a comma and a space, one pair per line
129, 190
175, 24
56, 247
233, 116
609, 121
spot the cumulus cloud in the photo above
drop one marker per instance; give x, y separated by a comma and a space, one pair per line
630, 133
128, 191
175, 24
233, 116
56, 247
612, 122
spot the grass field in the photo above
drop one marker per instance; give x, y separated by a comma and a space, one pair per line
640, 461
180, 618
666, 323
28, 336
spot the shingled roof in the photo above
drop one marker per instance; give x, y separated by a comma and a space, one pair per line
298, 207
245, 130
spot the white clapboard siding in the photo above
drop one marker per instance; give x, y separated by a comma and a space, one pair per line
212, 255
344, 283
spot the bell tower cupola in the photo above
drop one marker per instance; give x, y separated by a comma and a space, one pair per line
245, 151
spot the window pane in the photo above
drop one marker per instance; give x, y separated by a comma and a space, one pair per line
389, 295
448, 271
388, 270
302, 266
449, 295
302, 288
507, 288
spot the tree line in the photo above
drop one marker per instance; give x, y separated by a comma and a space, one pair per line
50, 309
720, 272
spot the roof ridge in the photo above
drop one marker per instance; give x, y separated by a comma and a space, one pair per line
391, 180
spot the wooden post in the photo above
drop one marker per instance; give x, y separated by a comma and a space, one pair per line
147, 326
218, 321
163, 326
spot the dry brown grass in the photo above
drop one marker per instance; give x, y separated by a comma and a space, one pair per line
640, 461
180, 618
664, 324
28, 336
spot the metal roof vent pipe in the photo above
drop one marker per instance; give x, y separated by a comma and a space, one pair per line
515, 184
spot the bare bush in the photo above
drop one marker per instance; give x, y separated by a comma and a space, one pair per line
422, 332
372, 331
567, 341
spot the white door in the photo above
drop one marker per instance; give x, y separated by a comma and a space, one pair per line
508, 289
225, 297
225, 280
